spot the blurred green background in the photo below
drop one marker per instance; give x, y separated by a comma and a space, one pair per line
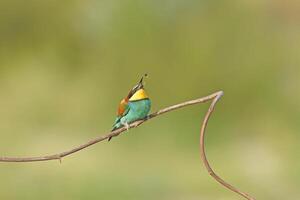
64, 66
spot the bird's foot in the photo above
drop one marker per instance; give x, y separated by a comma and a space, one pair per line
126, 126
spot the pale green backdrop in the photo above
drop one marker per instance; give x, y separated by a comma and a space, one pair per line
64, 66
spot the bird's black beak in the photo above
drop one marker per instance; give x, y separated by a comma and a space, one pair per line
140, 84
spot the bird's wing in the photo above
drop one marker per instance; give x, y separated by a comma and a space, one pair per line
123, 109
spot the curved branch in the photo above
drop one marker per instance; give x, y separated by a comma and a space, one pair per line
214, 97
203, 155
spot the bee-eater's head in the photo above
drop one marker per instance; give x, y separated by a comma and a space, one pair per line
138, 92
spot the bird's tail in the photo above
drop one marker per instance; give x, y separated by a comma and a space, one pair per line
114, 128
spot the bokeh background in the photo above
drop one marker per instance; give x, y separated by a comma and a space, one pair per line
64, 66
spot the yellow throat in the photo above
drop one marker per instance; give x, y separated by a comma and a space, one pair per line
139, 95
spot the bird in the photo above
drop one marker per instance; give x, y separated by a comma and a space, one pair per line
135, 106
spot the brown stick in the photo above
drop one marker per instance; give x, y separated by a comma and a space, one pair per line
214, 97
203, 154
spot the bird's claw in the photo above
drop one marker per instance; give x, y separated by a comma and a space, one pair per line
126, 126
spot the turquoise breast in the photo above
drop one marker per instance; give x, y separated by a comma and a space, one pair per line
137, 110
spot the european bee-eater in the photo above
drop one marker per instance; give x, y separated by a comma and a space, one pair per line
136, 105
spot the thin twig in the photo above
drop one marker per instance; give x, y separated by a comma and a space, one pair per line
214, 97
203, 154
